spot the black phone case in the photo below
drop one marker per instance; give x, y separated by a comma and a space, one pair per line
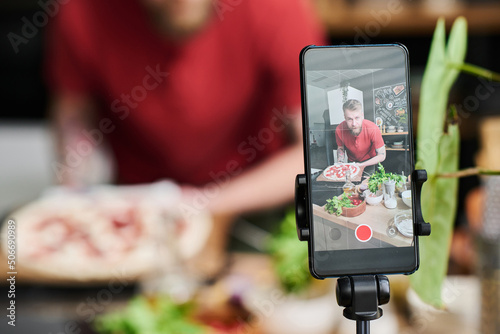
319, 273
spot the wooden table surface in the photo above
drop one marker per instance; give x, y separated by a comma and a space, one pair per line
378, 217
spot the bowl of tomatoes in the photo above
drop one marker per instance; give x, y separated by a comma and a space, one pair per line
357, 206
346, 205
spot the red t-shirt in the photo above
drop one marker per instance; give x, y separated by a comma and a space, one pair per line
361, 147
184, 110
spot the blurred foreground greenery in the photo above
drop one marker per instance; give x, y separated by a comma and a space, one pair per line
289, 256
158, 315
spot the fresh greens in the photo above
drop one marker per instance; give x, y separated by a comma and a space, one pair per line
153, 316
289, 256
380, 176
335, 204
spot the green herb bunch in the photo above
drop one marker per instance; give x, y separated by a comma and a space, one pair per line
335, 204
380, 176
153, 316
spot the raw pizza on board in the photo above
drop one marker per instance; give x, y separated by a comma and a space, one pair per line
337, 173
103, 233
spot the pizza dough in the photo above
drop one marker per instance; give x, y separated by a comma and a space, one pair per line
338, 172
103, 233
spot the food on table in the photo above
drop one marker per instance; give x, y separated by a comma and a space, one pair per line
349, 188
151, 315
217, 310
373, 198
337, 172
94, 234
380, 176
361, 189
390, 203
406, 196
342, 205
404, 224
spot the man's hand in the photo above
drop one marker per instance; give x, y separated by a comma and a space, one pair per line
376, 159
80, 160
341, 156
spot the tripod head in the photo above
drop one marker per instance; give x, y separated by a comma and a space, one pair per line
361, 296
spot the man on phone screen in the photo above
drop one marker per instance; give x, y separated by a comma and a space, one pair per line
359, 140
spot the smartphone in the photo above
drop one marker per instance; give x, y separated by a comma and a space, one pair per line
358, 153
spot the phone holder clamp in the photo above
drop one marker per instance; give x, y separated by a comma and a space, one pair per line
419, 176
301, 211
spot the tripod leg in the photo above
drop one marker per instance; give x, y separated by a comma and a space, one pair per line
362, 327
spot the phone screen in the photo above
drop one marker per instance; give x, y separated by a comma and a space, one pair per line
358, 156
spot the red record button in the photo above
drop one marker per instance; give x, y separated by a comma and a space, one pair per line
363, 233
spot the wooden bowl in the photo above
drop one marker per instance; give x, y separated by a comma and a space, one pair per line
355, 211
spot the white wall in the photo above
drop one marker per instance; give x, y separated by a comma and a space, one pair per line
335, 102
316, 104
27, 152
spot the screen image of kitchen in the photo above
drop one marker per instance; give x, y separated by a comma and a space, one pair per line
358, 205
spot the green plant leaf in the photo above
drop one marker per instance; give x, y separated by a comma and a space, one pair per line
432, 96
456, 49
380, 176
439, 204
437, 153
437, 81
477, 71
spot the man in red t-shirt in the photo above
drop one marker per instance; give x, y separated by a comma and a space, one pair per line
359, 140
205, 93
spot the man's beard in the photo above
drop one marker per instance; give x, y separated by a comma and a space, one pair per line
356, 132
180, 23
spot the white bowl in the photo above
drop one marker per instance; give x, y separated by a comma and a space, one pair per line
406, 196
373, 199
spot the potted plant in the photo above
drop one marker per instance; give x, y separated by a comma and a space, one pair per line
403, 122
379, 177
390, 184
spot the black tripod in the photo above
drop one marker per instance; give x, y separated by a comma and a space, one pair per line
361, 295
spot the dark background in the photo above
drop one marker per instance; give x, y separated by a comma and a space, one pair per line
24, 97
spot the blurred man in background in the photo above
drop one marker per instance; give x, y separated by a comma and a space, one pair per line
205, 93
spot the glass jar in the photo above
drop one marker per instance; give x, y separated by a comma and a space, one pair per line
349, 188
